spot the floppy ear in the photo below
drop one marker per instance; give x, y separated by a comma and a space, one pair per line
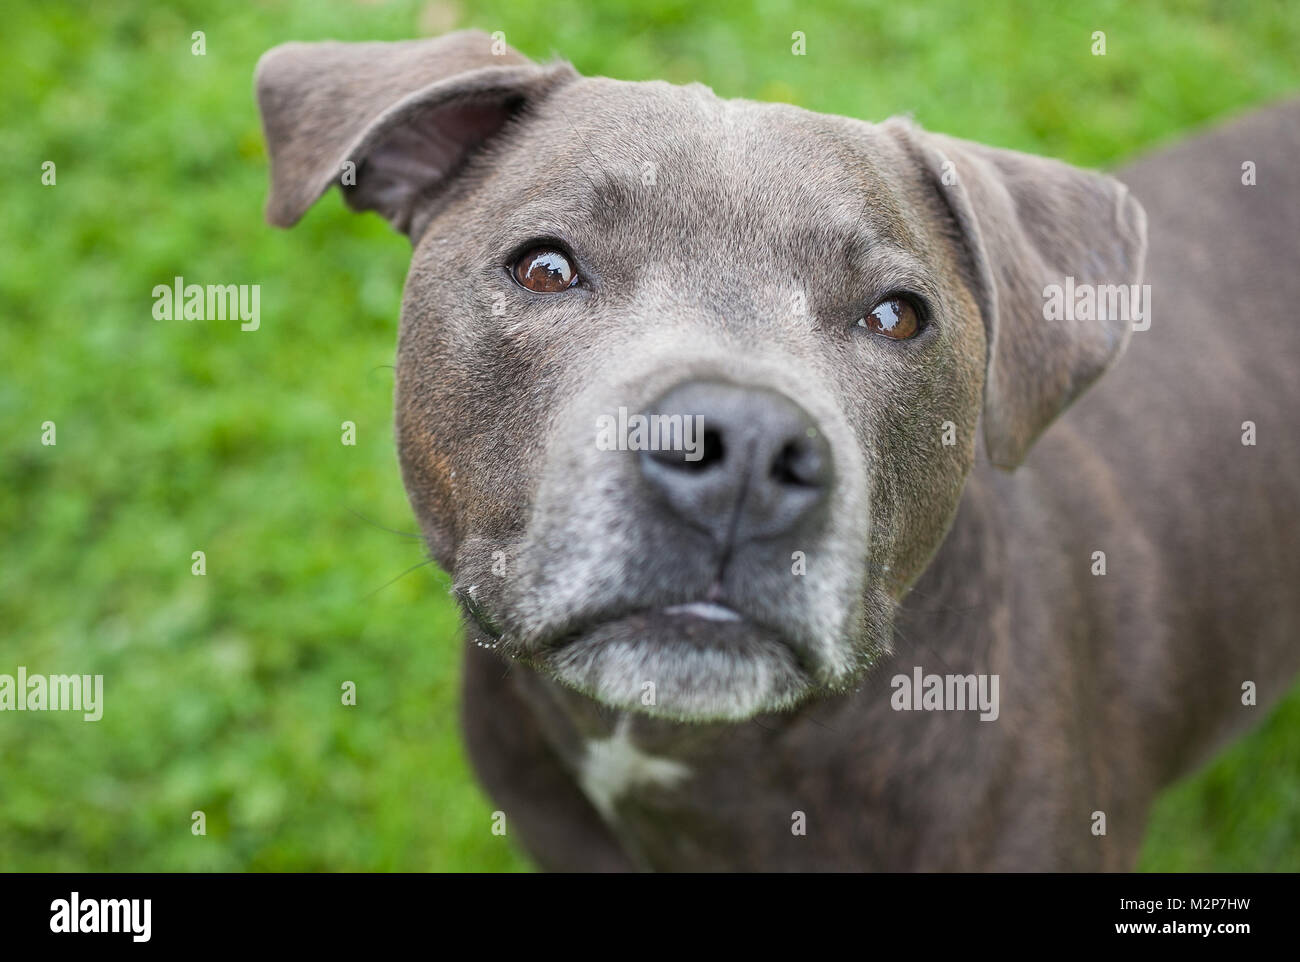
1027, 223
389, 123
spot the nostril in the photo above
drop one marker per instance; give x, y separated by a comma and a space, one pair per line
798, 464
710, 448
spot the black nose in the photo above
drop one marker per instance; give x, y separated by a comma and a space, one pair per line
752, 463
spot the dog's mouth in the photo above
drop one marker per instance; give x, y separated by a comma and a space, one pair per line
706, 610
697, 660
740, 648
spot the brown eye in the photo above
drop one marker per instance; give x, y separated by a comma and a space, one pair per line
545, 270
894, 317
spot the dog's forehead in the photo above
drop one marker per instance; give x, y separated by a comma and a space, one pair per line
630, 150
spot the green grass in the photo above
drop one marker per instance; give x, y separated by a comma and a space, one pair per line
223, 690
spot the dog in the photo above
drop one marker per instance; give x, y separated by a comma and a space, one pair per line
875, 615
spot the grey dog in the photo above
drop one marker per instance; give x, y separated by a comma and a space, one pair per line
866, 618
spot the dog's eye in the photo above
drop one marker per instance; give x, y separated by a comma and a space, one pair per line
545, 270
894, 317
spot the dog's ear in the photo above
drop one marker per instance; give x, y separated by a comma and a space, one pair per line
1027, 223
388, 122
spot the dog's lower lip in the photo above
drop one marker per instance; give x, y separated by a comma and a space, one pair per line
704, 662
704, 609
691, 616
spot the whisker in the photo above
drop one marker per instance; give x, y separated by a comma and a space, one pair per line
915, 645
426, 561
370, 521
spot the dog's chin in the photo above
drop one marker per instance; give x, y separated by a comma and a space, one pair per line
688, 663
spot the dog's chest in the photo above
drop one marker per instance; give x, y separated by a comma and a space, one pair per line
680, 799
613, 768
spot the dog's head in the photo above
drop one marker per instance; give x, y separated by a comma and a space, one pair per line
688, 388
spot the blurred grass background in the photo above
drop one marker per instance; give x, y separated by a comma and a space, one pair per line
223, 691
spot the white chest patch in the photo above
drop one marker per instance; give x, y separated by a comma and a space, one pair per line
613, 766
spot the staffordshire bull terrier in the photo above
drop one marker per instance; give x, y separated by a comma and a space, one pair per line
874, 615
